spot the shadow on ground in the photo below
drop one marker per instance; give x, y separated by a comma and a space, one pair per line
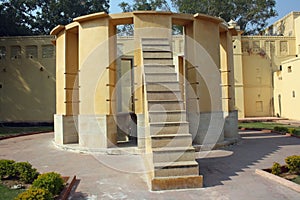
253, 147
77, 195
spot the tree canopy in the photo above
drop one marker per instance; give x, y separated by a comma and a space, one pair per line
251, 15
32, 17
145, 5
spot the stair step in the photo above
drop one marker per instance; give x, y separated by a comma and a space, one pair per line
159, 69
158, 61
166, 105
171, 165
160, 77
173, 183
173, 154
192, 170
169, 128
145, 45
168, 95
155, 48
155, 41
167, 116
156, 44
157, 55
171, 140
173, 149
161, 74
162, 86
180, 168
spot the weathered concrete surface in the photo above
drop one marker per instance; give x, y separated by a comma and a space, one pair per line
228, 173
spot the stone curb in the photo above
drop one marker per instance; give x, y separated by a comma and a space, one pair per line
109, 151
282, 181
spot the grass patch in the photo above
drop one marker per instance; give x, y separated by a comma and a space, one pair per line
297, 180
266, 125
9, 130
8, 194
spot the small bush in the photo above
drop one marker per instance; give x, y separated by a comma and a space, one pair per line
281, 129
25, 172
51, 181
6, 168
293, 163
292, 130
297, 132
35, 194
276, 168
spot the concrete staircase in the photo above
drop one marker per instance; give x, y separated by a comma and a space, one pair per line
173, 155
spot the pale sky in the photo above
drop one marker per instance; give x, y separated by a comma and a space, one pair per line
283, 7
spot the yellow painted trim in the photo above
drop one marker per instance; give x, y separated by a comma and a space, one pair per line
152, 12
208, 18
72, 25
182, 19
122, 18
91, 17
57, 29
121, 15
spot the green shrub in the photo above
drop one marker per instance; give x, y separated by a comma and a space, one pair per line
276, 168
25, 172
293, 163
281, 129
51, 181
35, 194
6, 168
292, 130
297, 132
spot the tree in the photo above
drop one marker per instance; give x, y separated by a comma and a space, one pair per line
251, 15
16, 16
31, 17
145, 5
55, 12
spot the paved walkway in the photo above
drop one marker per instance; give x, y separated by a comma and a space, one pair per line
228, 173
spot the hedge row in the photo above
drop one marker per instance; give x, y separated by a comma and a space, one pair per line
44, 186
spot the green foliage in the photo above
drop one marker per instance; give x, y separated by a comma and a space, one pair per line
53, 13
51, 181
31, 17
24, 172
6, 168
145, 5
292, 130
293, 163
15, 17
276, 168
35, 194
281, 129
297, 133
250, 15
